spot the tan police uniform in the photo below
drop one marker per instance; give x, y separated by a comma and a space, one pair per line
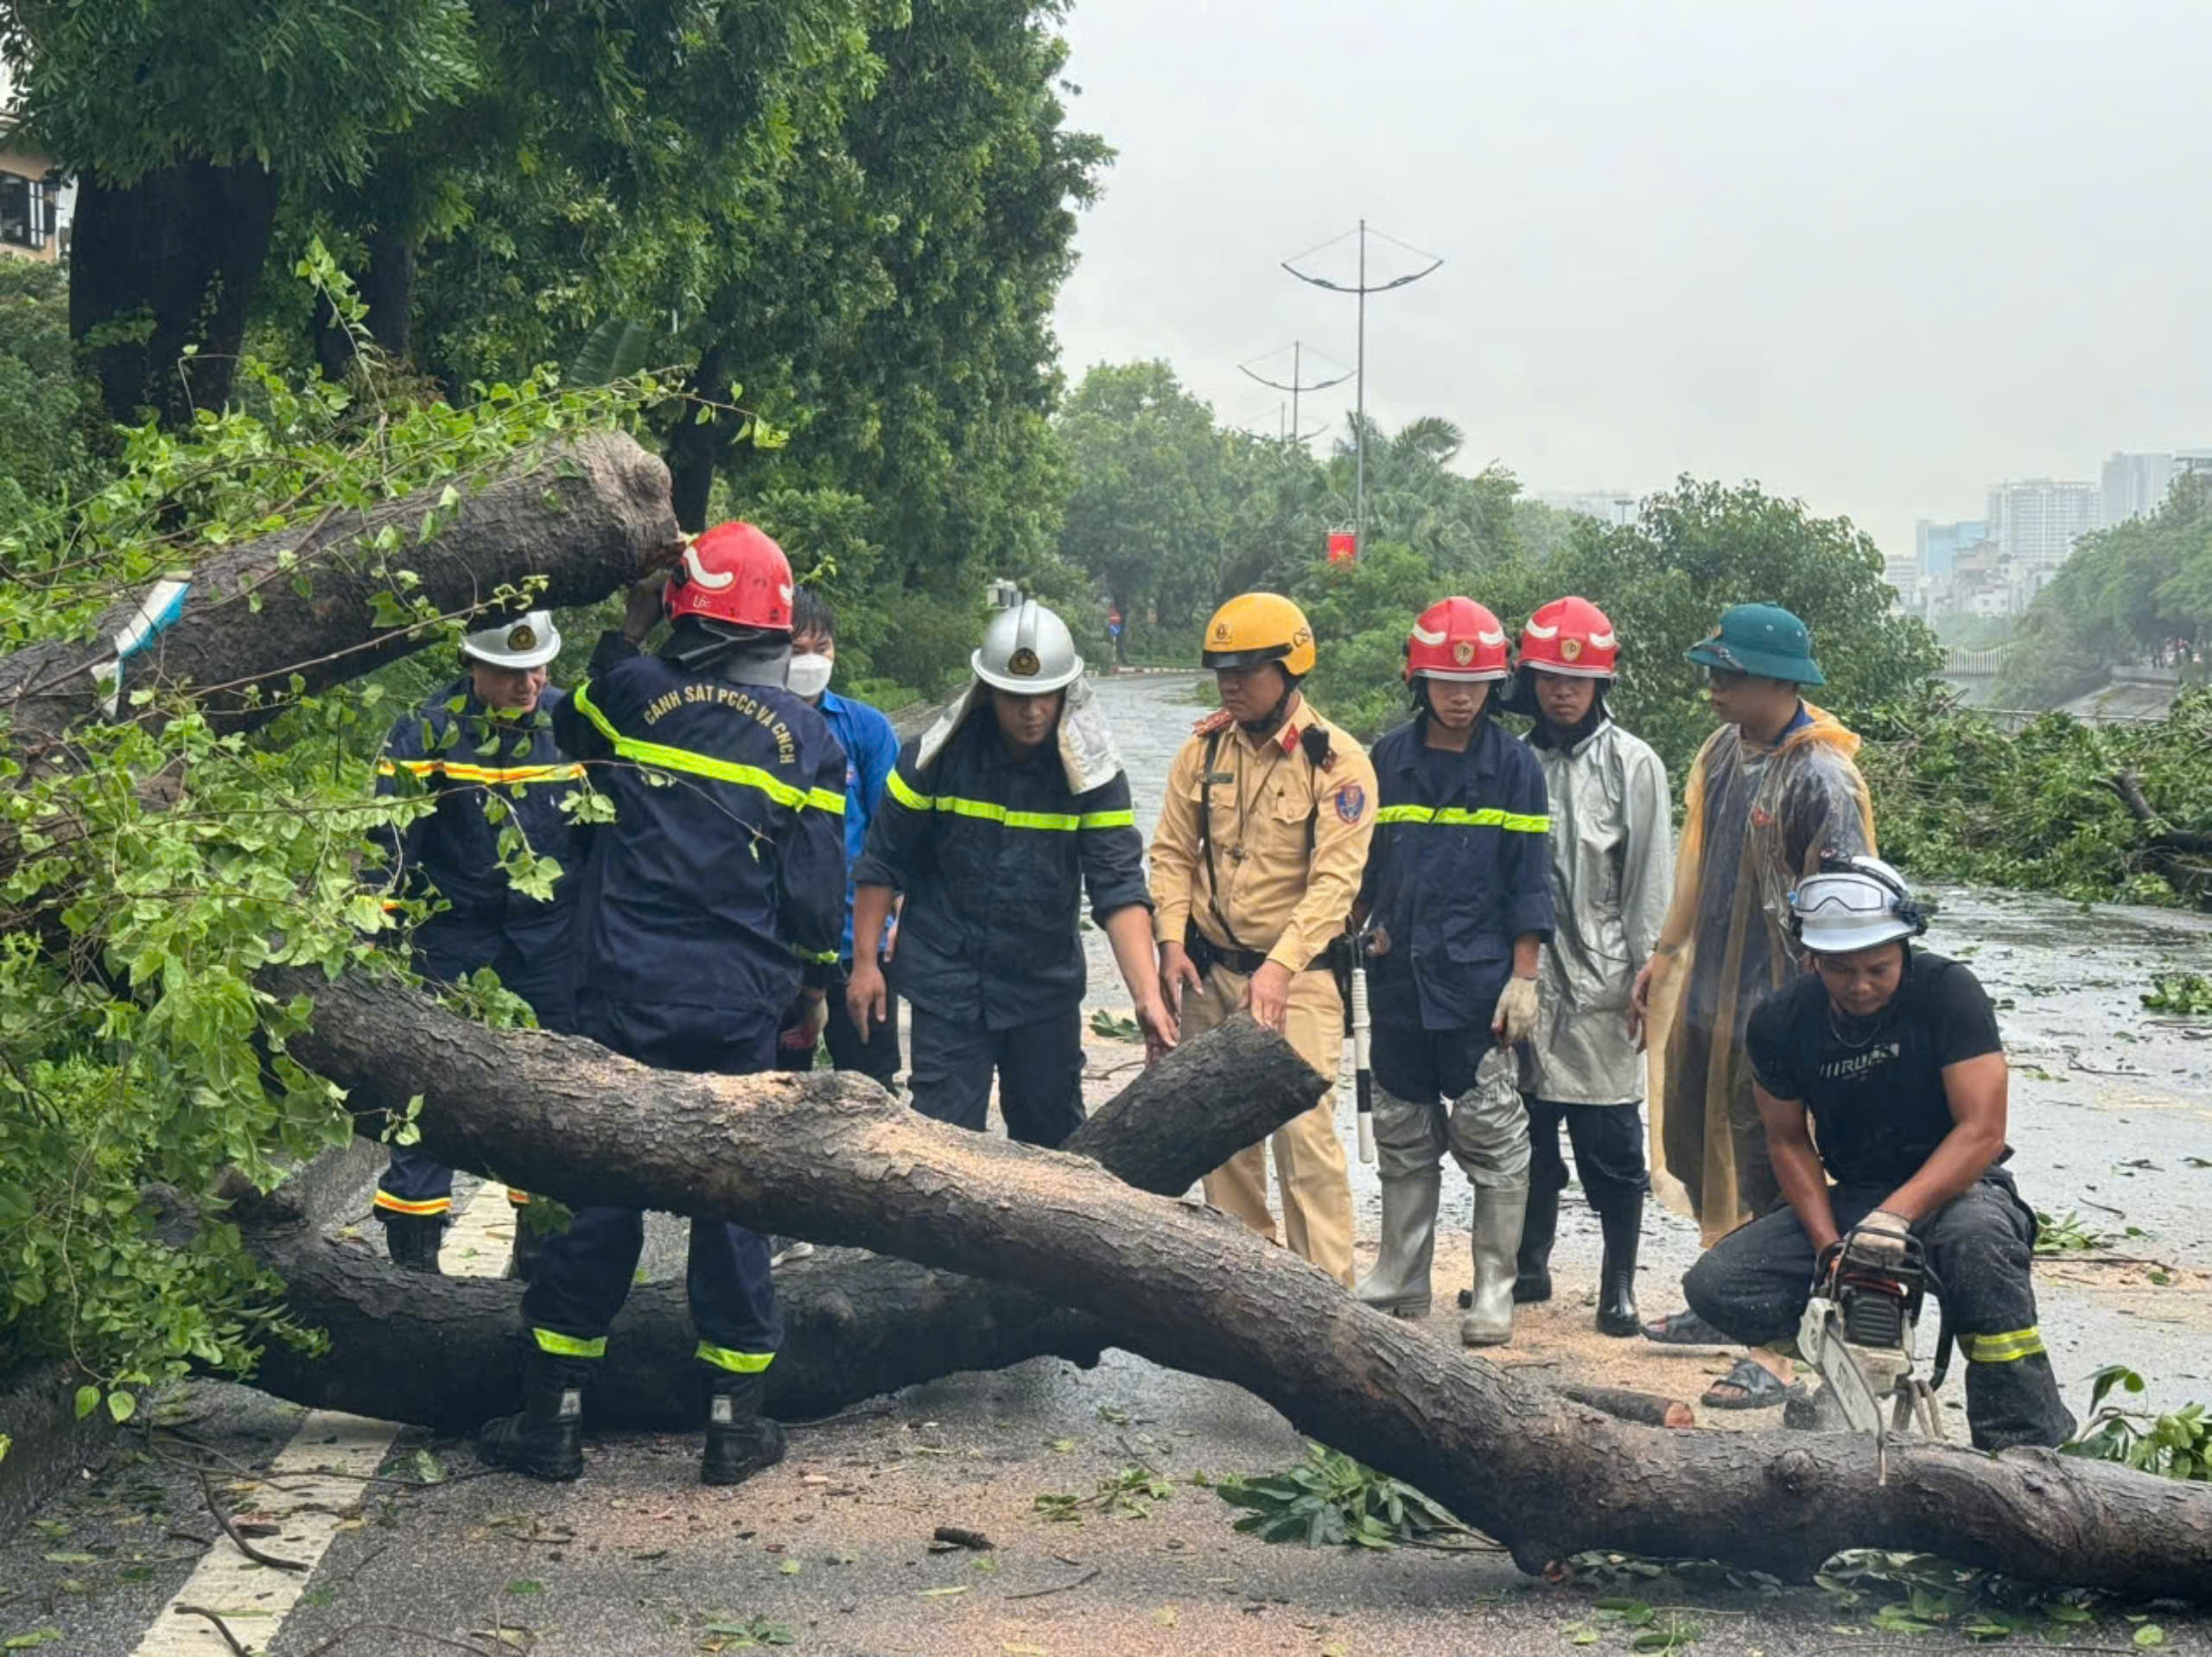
1288, 842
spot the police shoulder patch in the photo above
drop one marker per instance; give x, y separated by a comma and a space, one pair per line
1352, 800
1212, 722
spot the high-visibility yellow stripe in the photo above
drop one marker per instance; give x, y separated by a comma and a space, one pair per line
466, 773
569, 1346
391, 1204
824, 957
737, 1364
700, 764
991, 811
2008, 1348
1453, 816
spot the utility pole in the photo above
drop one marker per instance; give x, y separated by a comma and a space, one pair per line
1361, 289
1296, 384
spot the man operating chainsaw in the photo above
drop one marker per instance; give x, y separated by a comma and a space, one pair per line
1887, 1058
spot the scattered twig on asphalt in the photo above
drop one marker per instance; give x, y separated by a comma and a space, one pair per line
348, 1632
232, 1530
236, 1646
2087, 1203
1057, 1588
959, 1536
361, 1564
865, 1412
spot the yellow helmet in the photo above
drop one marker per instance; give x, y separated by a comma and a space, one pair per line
1256, 627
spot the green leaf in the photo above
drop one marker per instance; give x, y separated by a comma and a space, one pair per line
88, 1399
2150, 1634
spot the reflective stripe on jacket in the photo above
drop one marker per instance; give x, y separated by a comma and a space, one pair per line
724, 869
994, 853
1612, 870
488, 775
1455, 875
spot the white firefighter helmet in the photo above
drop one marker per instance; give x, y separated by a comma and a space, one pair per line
1853, 903
528, 641
1027, 649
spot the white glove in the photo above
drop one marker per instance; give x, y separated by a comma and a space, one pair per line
1880, 1238
1515, 1017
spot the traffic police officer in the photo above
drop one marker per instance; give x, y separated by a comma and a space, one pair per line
1256, 865
995, 819
1459, 895
723, 869
483, 748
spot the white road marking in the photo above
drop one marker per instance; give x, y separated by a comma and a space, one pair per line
313, 1489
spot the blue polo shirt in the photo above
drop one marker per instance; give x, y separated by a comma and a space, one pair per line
871, 750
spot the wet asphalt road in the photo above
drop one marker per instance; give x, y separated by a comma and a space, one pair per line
2110, 1106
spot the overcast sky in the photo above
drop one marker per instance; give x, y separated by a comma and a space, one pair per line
1874, 255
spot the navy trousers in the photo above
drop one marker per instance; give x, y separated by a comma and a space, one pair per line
584, 1274
1039, 1068
416, 1183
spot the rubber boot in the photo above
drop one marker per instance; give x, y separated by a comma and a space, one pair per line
545, 1441
1532, 1279
1622, 1222
1400, 1282
413, 1240
1498, 1213
741, 1441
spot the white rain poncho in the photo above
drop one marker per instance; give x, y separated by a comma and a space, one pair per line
1612, 872
1756, 820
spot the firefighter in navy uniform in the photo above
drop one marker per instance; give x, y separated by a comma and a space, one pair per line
484, 749
996, 820
721, 877
1459, 893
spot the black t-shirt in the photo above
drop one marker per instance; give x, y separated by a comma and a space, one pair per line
1874, 1087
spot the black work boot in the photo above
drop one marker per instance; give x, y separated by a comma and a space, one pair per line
545, 1441
1538, 1229
741, 1441
412, 1241
1622, 1222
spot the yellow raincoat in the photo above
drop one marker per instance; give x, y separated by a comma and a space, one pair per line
1756, 820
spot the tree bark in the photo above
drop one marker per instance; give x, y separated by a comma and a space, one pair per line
583, 515
168, 262
836, 1157
444, 1352
695, 447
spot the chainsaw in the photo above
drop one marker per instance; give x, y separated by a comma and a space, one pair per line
1858, 1333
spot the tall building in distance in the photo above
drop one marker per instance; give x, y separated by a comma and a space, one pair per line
1936, 547
2135, 486
2036, 522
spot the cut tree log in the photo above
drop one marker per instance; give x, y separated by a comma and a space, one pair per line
584, 514
445, 1352
834, 1156
1648, 1409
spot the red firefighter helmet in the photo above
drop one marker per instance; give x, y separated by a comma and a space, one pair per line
1571, 636
732, 573
1458, 640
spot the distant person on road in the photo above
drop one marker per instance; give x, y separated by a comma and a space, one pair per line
997, 821
1256, 866
1889, 1058
1770, 793
1612, 871
1458, 905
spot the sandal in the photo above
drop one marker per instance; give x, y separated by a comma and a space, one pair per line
1685, 1329
1756, 1388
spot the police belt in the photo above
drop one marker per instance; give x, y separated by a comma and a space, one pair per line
1205, 955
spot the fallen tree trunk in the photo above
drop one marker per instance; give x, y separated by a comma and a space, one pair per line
583, 514
835, 1156
443, 1352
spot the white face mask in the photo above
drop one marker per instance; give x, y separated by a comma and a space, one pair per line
809, 675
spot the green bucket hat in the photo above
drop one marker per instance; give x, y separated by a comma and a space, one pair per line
1764, 639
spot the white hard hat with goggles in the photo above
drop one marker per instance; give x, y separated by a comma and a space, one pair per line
1853, 903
